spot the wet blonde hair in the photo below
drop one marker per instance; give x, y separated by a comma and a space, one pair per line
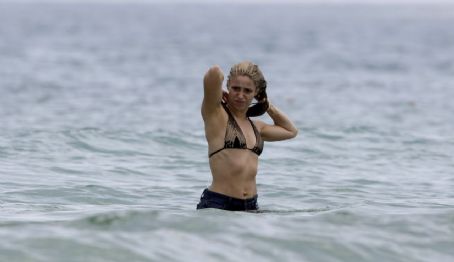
252, 71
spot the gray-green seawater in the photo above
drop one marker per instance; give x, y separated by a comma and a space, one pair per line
103, 155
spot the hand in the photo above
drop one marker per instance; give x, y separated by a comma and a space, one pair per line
263, 100
261, 97
225, 96
270, 107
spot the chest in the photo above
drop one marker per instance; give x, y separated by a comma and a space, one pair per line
247, 131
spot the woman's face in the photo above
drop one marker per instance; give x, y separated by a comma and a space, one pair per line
241, 92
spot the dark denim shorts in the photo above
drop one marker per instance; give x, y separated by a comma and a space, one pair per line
210, 199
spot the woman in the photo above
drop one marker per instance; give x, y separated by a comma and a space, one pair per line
234, 141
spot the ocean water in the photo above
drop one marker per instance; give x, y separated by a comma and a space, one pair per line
103, 155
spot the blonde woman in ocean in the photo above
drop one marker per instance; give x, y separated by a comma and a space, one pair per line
235, 142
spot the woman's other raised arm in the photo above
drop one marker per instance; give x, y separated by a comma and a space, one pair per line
282, 129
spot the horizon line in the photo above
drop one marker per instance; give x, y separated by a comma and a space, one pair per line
322, 2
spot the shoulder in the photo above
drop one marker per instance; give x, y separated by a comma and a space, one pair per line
259, 124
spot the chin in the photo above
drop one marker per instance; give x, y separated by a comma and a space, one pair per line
242, 107
238, 106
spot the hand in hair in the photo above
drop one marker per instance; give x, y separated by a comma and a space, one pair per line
261, 106
261, 97
225, 96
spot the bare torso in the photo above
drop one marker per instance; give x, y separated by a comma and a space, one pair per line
233, 170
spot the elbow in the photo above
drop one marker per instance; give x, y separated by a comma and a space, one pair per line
294, 133
214, 74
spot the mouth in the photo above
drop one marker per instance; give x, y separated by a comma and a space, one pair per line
239, 102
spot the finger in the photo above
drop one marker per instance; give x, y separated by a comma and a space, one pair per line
225, 96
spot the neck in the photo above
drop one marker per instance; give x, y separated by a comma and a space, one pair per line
240, 114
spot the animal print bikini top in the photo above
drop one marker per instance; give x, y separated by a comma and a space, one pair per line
234, 137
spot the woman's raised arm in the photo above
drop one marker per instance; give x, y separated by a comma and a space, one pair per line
212, 86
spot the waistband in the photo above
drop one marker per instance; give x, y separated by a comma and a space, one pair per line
230, 199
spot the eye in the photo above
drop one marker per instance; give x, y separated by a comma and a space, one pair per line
248, 91
236, 88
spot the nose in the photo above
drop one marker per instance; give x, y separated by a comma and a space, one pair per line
241, 94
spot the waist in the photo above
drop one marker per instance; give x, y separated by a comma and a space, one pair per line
229, 199
211, 199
